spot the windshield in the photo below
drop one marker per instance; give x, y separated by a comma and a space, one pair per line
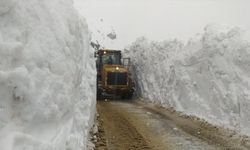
111, 58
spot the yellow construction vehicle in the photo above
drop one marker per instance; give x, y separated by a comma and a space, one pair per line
113, 74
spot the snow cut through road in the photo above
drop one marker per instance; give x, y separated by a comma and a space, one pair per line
133, 125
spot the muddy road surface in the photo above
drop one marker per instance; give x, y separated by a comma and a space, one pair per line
135, 125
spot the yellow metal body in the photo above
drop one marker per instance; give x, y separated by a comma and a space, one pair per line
125, 90
113, 68
103, 71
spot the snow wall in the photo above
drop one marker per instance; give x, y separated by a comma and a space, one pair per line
209, 77
47, 76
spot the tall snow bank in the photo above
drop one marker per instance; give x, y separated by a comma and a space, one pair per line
47, 76
208, 77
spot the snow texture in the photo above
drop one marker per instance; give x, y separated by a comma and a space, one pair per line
112, 35
103, 33
47, 76
208, 77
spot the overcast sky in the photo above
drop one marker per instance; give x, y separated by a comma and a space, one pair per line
163, 19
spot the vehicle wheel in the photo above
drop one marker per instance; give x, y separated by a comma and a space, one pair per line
98, 95
128, 95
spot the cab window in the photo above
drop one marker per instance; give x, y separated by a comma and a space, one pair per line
111, 58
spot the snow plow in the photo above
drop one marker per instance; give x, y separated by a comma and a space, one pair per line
113, 75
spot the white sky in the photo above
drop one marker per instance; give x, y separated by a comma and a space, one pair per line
163, 19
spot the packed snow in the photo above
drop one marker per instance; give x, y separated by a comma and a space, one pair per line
47, 76
209, 77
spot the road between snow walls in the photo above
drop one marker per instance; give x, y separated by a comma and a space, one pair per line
47, 76
209, 77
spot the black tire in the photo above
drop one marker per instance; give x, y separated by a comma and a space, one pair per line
128, 95
99, 95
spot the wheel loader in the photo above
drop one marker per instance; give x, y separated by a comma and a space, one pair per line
113, 74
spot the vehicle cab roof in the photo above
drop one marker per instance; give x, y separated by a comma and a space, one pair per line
109, 51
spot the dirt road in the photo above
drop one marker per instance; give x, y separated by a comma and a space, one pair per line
134, 125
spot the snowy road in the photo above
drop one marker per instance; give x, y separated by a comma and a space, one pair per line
136, 125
